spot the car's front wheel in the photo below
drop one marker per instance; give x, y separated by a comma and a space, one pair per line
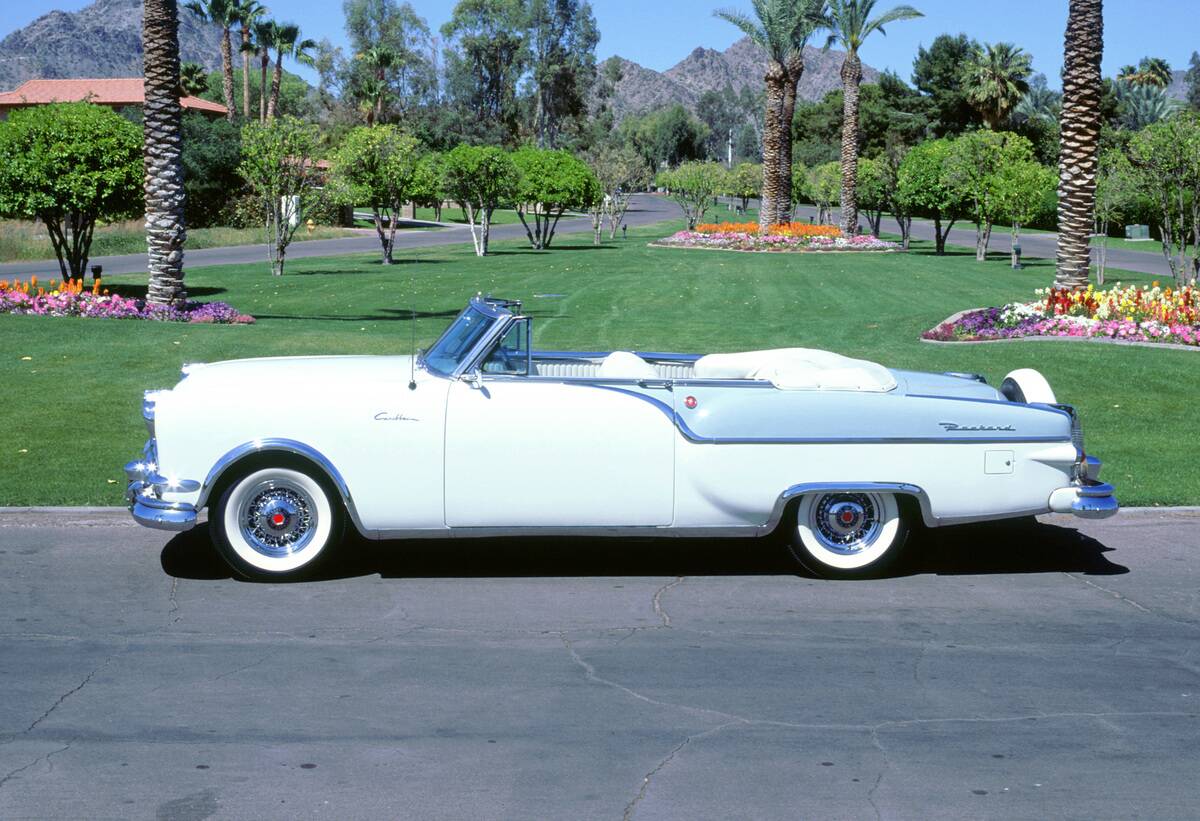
848, 534
276, 523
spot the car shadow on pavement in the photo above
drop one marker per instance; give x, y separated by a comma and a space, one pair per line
1025, 546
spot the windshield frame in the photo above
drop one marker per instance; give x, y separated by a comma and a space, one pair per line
498, 319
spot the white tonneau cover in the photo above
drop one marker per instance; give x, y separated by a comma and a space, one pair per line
798, 369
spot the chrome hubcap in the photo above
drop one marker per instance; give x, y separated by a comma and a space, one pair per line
846, 523
279, 519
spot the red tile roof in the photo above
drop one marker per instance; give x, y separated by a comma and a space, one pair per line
120, 91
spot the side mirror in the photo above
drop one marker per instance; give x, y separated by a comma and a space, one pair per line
473, 378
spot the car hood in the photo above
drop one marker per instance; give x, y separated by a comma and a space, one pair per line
295, 373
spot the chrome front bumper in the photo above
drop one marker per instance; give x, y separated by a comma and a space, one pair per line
1087, 497
145, 490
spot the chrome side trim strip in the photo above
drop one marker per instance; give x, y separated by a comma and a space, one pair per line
281, 446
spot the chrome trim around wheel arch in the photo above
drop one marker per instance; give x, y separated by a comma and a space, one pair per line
291, 446
898, 488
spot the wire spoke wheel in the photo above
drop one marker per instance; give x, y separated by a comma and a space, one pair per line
847, 534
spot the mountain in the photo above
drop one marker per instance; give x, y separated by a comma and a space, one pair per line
741, 65
100, 40
1178, 88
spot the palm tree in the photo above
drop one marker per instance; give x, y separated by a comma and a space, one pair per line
374, 89
193, 79
165, 231
1140, 105
773, 28
1080, 141
249, 12
224, 14
994, 79
287, 43
1150, 71
1039, 104
812, 17
265, 33
850, 24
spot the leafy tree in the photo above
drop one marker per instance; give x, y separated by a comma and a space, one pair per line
68, 165
1081, 120
486, 56
621, 172
889, 167
193, 79
390, 70
562, 38
850, 24
800, 193
1166, 156
718, 110
551, 183
922, 188
1191, 81
279, 164
1036, 118
376, 165
694, 185
480, 178
294, 93
223, 13
427, 183
937, 73
824, 187
872, 195
212, 151
1150, 71
163, 180
1116, 196
975, 168
888, 110
1024, 190
995, 79
665, 137
745, 182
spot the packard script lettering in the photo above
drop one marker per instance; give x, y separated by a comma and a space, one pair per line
949, 426
384, 416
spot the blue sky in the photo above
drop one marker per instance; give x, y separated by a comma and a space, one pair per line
660, 33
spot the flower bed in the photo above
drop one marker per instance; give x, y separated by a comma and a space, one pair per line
69, 298
1130, 314
790, 237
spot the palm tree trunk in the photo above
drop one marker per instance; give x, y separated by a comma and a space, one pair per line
794, 71
227, 74
264, 61
245, 72
1080, 143
163, 153
851, 77
768, 208
276, 79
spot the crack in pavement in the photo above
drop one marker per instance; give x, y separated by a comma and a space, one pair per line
631, 807
172, 602
1122, 597
10, 776
63, 698
657, 601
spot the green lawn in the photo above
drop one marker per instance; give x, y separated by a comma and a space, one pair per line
70, 411
26, 241
456, 215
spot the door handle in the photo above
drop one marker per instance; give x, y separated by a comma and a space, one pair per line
656, 383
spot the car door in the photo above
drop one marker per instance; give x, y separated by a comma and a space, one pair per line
541, 452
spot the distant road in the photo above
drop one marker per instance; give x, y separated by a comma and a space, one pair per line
644, 210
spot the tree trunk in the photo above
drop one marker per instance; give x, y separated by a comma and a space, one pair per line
793, 71
768, 205
227, 74
264, 62
905, 224
377, 217
276, 79
851, 77
1015, 242
1080, 142
983, 235
939, 239
163, 154
245, 72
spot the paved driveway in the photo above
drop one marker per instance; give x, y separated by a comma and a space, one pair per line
1038, 671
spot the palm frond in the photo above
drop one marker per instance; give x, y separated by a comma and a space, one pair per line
893, 16
743, 22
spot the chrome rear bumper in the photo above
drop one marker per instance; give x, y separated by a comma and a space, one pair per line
144, 494
1087, 497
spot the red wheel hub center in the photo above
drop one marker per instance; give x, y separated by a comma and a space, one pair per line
278, 519
847, 517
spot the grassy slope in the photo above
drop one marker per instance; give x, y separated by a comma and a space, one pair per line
74, 406
24, 241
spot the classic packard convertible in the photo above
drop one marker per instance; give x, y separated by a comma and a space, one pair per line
481, 435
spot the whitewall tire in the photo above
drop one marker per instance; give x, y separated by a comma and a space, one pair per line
276, 523
848, 534
1027, 385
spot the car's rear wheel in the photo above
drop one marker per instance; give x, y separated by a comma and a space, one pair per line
847, 535
276, 523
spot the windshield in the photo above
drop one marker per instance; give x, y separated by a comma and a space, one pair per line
457, 342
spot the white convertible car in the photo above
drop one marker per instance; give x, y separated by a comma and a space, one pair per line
482, 435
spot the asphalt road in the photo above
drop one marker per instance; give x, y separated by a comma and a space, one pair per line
645, 209
1035, 671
